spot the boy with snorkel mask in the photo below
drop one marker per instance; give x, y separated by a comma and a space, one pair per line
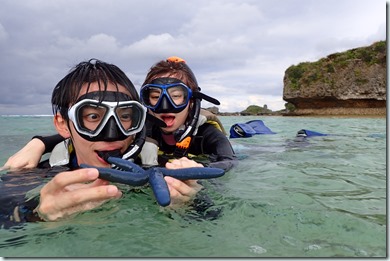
96, 109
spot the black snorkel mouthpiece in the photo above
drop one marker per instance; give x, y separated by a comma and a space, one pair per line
109, 153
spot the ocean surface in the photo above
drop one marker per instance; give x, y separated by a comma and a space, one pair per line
288, 197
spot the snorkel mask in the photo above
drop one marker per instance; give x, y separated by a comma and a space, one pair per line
165, 95
115, 118
169, 95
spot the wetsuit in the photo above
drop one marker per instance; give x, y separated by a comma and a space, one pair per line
19, 193
208, 142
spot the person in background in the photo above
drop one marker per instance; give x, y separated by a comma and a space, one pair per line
97, 111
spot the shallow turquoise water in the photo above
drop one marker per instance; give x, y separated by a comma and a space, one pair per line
318, 197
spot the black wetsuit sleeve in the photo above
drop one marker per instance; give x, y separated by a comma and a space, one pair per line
215, 144
50, 141
15, 206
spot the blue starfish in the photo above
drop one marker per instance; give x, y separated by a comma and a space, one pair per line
131, 174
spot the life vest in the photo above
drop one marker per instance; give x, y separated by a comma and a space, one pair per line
60, 154
212, 119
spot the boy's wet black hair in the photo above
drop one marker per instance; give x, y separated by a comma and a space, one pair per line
67, 90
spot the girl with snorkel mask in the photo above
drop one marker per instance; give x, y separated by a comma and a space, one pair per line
171, 93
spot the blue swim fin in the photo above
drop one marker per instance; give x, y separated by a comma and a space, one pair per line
241, 130
259, 127
309, 133
246, 130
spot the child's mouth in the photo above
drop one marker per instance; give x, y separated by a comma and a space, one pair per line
169, 120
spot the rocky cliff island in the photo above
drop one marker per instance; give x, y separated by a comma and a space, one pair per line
347, 83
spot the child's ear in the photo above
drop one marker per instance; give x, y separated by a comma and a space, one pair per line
61, 125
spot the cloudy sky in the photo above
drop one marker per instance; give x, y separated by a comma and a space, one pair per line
238, 49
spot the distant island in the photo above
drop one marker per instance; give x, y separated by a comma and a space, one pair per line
251, 110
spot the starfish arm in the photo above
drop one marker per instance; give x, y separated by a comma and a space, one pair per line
193, 173
125, 164
119, 176
159, 187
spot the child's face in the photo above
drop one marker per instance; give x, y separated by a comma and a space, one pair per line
87, 151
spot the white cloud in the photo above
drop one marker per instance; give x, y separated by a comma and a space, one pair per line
222, 20
3, 34
239, 50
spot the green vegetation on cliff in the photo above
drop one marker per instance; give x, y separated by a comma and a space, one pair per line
349, 82
306, 73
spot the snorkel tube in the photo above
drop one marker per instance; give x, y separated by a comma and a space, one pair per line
135, 148
184, 137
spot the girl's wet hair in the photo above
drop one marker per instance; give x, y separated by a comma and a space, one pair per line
174, 67
67, 90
